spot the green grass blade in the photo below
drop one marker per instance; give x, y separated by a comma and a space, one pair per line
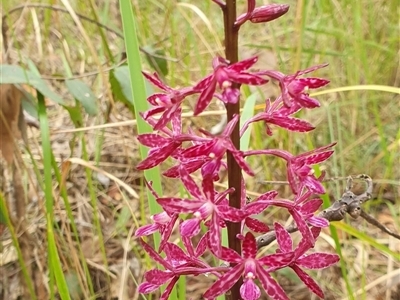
5, 218
55, 268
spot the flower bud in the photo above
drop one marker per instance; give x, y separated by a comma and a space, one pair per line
268, 13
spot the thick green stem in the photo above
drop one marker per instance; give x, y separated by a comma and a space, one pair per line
234, 174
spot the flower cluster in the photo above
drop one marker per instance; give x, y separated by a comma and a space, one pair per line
206, 210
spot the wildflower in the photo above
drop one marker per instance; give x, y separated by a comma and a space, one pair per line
297, 89
168, 103
161, 146
310, 261
215, 149
224, 76
176, 263
164, 223
299, 172
279, 117
251, 268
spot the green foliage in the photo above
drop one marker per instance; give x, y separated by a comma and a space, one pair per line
83, 94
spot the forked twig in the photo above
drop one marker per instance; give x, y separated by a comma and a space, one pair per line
349, 203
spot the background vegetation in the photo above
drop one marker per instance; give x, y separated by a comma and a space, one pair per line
83, 197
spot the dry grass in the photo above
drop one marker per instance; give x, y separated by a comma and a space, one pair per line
365, 123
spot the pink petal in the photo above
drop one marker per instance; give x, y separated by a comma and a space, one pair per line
318, 260
151, 112
238, 155
318, 222
204, 83
277, 260
166, 116
178, 205
166, 233
208, 189
247, 78
283, 238
230, 126
308, 281
147, 230
157, 156
317, 157
159, 100
146, 288
168, 289
249, 246
302, 225
273, 289
256, 225
190, 227
187, 242
198, 150
175, 255
154, 79
310, 206
307, 154
189, 183
243, 64
255, 207
154, 255
205, 98
152, 140
313, 82
201, 246
229, 255
267, 196
158, 277
224, 283
249, 290
290, 123
191, 165
214, 237
305, 101
314, 185
229, 213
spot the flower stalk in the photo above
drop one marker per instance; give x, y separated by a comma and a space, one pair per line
243, 272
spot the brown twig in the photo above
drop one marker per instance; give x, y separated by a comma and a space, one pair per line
349, 203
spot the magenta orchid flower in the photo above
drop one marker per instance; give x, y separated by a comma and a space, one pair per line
310, 261
176, 264
303, 214
215, 149
280, 118
251, 268
162, 147
299, 172
205, 205
297, 89
224, 76
163, 223
252, 223
168, 103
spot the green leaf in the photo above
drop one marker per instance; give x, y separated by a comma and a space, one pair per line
123, 218
82, 93
12, 74
156, 60
248, 112
121, 86
365, 238
75, 115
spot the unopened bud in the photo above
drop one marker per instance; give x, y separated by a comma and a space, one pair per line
268, 13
